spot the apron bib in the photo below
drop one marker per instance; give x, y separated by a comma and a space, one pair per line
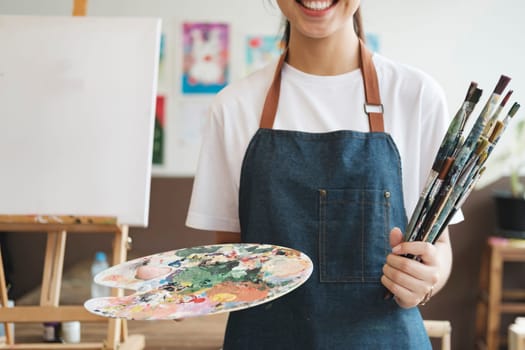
334, 196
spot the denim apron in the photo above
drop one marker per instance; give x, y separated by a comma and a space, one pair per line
334, 196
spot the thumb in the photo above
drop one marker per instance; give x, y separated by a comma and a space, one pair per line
396, 237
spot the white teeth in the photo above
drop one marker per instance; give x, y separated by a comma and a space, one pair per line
317, 5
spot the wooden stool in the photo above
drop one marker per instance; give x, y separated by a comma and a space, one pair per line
439, 329
494, 299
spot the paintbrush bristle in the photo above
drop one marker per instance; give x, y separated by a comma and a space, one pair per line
514, 109
471, 89
502, 84
506, 98
476, 95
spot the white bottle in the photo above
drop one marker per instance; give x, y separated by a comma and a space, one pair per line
99, 264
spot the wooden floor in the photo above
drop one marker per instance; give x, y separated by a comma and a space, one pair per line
199, 333
190, 334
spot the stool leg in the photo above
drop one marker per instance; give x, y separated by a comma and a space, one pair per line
481, 308
494, 303
445, 342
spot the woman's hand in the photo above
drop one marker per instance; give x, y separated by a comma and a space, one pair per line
413, 282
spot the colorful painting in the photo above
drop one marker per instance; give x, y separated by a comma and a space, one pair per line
261, 50
201, 281
205, 57
158, 137
162, 57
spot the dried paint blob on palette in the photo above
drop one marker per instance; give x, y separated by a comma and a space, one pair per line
201, 281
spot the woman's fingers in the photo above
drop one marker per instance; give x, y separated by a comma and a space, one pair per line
401, 278
407, 278
396, 237
403, 296
408, 290
425, 250
414, 268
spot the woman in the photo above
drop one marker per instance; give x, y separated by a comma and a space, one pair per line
301, 160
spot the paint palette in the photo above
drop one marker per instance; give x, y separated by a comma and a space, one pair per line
200, 281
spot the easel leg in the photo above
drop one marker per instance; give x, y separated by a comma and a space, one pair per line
79, 7
3, 301
53, 267
117, 328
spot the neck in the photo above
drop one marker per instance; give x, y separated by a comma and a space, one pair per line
325, 56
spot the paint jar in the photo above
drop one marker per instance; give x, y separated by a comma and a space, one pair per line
51, 332
71, 332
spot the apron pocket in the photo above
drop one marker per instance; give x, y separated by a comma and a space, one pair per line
353, 234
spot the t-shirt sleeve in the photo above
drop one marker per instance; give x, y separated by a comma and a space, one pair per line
214, 198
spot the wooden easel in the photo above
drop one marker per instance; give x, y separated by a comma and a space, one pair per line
79, 7
57, 229
49, 309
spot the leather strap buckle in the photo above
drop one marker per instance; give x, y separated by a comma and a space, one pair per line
370, 108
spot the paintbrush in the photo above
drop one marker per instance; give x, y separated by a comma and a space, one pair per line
484, 150
492, 120
441, 199
500, 126
431, 205
455, 192
446, 148
472, 139
457, 125
460, 202
471, 174
463, 156
513, 110
494, 97
463, 152
450, 187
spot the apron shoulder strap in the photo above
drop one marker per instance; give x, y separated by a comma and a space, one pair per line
373, 106
272, 97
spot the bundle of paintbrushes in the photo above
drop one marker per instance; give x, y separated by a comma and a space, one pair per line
460, 162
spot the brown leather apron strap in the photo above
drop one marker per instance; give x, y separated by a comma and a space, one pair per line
373, 106
272, 98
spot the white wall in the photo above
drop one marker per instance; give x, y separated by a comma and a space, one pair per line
458, 42
246, 17
454, 41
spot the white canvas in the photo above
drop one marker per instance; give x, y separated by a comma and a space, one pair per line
77, 108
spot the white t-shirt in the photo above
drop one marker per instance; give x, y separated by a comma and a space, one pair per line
415, 115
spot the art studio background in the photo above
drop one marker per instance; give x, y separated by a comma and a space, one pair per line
455, 42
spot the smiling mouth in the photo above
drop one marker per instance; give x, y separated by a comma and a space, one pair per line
316, 5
